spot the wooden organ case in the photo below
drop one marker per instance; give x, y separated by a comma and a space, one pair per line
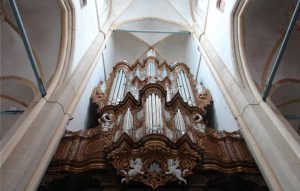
152, 130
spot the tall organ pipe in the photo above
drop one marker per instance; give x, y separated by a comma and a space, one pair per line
168, 94
128, 121
154, 122
123, 88
150, 112
179, 121
160, 115
113, 88
184, 86
157, 112
176, 121
179, 88
182, 127
146, 115
120, 91
190, 89
117, 88
153, 111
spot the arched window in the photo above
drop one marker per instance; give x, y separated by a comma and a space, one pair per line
83, 3
221, 5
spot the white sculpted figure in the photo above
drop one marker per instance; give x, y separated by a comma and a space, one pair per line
108, 121
136, 166
174, 170
198, 125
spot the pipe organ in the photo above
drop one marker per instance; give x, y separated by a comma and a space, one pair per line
153, 85
152, 129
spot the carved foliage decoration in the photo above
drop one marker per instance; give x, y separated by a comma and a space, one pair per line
155, 152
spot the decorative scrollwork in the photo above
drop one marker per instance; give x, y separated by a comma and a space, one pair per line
149, 160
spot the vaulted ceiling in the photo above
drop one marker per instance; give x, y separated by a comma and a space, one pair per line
264, 23
18, 85
263, 33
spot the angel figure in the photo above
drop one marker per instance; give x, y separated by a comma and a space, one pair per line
136, 166
108, 121
198, 123
174, 170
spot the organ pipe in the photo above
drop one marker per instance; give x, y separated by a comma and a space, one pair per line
179, 122
168, 94
180, 89
118, 88
153, 112
115, 98
185, 89
188, 93
113, 87
128, 121
190, 90
121, 86
154, 122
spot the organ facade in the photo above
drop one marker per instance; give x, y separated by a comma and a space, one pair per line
152, 128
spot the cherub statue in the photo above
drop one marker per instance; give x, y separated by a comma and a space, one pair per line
199, 88
136, 166
198, 123
174, 170
108, 121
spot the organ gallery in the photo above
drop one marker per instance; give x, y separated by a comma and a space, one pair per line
153, 132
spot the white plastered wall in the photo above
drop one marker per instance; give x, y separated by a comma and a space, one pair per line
81, 114
222, 118
218, 30
122, 46
179, 48
86, 25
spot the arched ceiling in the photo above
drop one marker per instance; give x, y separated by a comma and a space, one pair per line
42, 21
176, 11
156, 15
150, 24
265, 23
